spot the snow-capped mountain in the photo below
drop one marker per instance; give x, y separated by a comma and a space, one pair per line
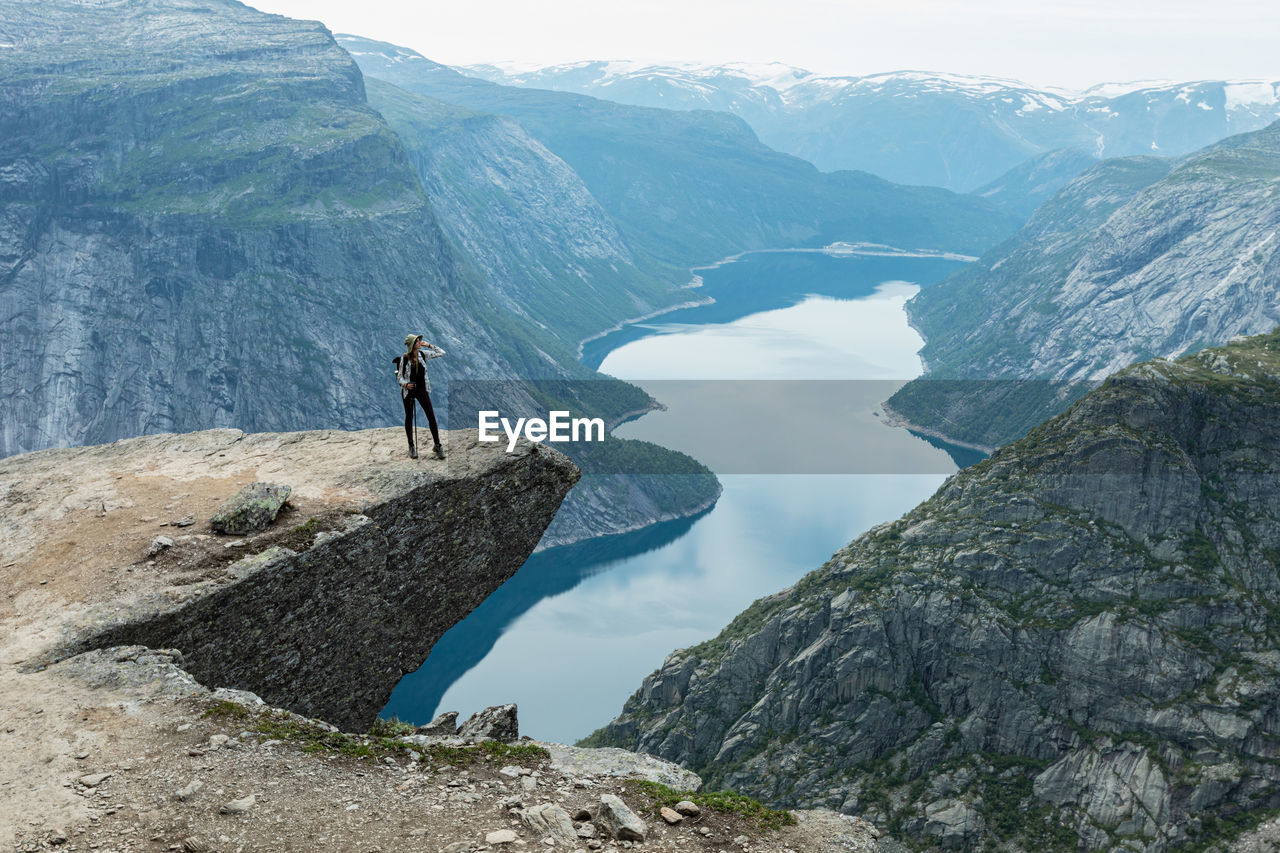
921, 127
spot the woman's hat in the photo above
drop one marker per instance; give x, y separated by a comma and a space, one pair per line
410, 340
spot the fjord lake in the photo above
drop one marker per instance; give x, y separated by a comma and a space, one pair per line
577, 628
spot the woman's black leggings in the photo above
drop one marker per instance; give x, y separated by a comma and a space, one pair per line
425, 399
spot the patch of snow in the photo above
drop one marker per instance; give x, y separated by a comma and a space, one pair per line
1116, 90
774, 75
1250, 93
1030, 105
799, 86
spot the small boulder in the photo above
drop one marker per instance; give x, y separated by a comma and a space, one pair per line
189, 790
501, 836
619, 821
550, 820
444, 725
494, 723
459, 847
581, 815
239, 806
93, 780
671, 816
251, 509
688, 808
160, 543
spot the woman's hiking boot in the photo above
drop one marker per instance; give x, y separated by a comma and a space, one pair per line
413, 452
439, 452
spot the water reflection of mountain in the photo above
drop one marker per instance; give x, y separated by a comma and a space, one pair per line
962, 456
543, 575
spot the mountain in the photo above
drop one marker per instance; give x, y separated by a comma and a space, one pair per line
914, 127
1025, 187
1139, 257
693, 187
1073, 642
203, 223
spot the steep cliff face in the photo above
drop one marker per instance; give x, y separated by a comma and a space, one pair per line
524, 216
204, 224
1136, 258
321, 617
1074, 641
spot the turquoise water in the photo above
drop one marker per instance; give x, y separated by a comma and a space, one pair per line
572, 634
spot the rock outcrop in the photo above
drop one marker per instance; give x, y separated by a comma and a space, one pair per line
1075, 641
1136, 258
322, 616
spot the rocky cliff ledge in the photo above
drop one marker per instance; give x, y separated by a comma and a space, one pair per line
322, 613
116, 592
1074, 642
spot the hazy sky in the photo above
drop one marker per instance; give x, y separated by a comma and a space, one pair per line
1072, 43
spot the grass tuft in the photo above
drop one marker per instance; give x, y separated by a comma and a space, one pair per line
725, 802
380, 742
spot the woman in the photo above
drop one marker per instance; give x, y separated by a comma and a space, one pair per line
411, 372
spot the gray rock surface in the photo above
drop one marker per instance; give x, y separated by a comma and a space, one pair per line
251, 509
1074, 641
622, 764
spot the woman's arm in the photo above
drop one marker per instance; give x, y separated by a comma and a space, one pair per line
433, 351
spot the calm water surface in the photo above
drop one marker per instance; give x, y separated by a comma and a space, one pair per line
570, 637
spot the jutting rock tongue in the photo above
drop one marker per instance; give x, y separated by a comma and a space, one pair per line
327, 626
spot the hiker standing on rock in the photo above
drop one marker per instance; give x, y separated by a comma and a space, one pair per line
411, 373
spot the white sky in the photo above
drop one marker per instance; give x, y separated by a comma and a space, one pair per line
1070, 43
